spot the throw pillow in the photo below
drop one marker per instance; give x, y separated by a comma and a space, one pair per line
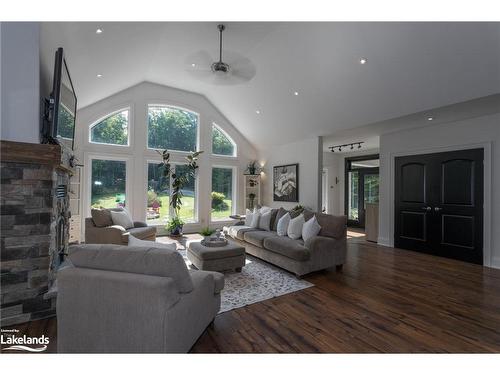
134, 241
265, 220
248, 217
255, 219
281, 212
122, 218
311, 228
283, 223
295, 227
264, 209
101, 217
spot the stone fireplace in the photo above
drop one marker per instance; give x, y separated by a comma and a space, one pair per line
34, 227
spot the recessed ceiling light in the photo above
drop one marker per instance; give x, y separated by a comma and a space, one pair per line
99, 75
257, 111
363, 61
98, 31
193, 65
296, 93
430, 118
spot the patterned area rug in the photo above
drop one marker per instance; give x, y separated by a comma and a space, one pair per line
256, 282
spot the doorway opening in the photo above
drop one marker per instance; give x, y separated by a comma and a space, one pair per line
361, 188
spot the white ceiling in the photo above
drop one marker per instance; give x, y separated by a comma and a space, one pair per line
411, 67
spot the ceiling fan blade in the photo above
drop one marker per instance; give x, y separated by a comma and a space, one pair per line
243, 69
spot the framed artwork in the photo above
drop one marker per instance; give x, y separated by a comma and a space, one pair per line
286, 183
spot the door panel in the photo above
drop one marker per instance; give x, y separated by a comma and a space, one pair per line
439, 204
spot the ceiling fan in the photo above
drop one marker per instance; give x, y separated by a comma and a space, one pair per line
234, 70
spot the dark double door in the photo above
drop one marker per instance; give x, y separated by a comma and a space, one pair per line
439, 204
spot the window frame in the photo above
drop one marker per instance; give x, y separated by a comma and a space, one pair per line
235, 146
234, 182
109, 114
178, 107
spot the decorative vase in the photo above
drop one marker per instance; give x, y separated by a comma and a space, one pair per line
177, 231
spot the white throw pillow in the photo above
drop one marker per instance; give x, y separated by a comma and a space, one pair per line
255, 219
283, 222
122, 218
311, 228
295, 227
264, 209
265, 221
134, 241
248, 217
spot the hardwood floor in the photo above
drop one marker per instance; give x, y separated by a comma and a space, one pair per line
384, 300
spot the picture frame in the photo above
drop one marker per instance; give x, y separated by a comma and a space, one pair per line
286, 183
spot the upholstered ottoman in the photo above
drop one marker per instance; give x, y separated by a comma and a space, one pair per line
231, 256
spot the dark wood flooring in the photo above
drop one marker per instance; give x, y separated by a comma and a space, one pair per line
384, 300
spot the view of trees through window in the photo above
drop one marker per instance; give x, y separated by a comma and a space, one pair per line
112, 130
108, 183
158, 210
222, 193
221, 144
172, 128
65, 123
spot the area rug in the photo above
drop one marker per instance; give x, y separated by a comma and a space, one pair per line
258, 281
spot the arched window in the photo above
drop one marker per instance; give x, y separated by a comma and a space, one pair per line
112, 130
172, 128
222, 144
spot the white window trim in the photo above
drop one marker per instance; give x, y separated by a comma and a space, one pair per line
234, 197
88, 177
102, 118
174, 106
235, 146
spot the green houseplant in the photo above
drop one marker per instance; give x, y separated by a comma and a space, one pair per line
175, 225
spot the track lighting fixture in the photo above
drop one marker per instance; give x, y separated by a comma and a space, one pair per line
350, 145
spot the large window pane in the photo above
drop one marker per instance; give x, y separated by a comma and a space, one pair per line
353, 212
108, 183
158, 200
221, 143
222, 193
112, 130
172, 128
187, 212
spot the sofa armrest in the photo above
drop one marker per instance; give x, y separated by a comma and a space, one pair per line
112, 234
327, 247
140, 224
218, 278
101, 311
320, 242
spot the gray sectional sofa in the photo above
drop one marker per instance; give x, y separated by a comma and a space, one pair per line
126, 299
326, 250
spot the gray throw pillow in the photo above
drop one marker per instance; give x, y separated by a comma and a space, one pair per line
279, 214
122, 218
101, 217
265, 220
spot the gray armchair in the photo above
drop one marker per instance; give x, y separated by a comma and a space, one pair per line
116, 234
122, 299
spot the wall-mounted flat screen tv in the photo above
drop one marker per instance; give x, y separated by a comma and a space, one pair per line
63, 99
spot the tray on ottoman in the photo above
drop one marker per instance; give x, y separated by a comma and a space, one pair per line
230, 256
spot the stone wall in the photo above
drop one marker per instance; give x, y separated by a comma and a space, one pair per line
27, 204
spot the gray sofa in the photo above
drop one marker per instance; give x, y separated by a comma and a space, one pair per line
119, 299
326, 250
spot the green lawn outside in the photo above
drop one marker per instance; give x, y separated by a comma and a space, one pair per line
186, 213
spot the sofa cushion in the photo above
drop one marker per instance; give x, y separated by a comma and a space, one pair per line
257, 237
265, 220
238, 231
279, 214
285, 246
122, 218
294, 230
331, 226
141, 260
282, 227
101, 217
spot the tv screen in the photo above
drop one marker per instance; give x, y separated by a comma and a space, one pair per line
64, 97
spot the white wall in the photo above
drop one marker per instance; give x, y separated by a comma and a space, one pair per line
470, 133
307, 154
137, 98
20, 81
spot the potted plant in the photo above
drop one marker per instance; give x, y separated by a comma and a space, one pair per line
207, 233
251, 167
175, 225
251, 196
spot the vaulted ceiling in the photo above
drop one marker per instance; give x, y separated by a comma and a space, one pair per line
411, 67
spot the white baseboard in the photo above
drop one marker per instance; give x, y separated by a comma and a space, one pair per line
495, 262
384, 242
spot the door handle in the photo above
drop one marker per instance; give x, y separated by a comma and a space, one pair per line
437, 209
428, 208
